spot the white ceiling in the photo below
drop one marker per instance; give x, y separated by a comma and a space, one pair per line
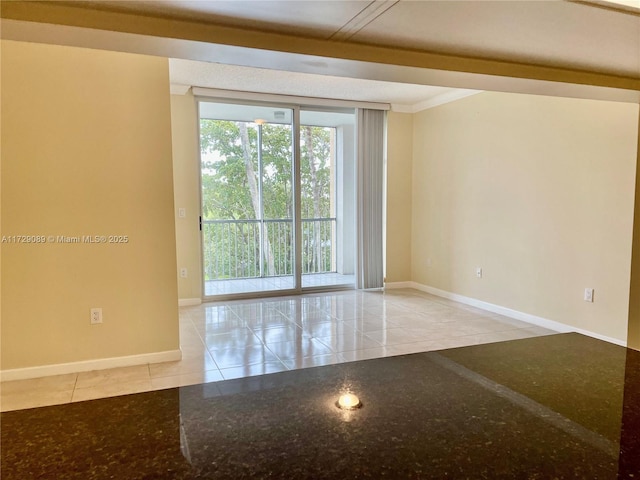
591, 36
552, 33
595, 35
403, 97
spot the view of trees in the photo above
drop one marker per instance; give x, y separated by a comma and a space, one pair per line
236, 221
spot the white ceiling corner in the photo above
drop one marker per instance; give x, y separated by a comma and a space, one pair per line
178, 89
445, 97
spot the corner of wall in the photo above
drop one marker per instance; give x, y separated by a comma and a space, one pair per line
186, 174
398, 217
633, 334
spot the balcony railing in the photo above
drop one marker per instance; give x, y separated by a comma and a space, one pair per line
232, 248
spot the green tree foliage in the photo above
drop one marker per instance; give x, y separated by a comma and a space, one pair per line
230, 179
315, 171
225, 186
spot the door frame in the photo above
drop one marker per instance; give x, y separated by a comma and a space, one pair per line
297, 194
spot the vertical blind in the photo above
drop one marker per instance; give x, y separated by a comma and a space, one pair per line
370, 198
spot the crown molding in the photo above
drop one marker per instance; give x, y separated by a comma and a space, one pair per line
441, 99
177, 89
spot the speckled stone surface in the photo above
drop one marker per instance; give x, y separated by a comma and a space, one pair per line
555, 407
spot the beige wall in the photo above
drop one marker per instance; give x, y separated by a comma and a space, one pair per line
398, 222
186, 174
537, 191
633, 339
86, 150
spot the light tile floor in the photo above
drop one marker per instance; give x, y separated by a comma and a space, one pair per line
236, 339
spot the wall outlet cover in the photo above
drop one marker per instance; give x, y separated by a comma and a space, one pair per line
588, 295
96, 316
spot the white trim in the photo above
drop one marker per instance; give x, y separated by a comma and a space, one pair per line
88, 365
441, 99
402, 108
189, 302
621, 6
177, 89
287, 99
396, 285
515, 314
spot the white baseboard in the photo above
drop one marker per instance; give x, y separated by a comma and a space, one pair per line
515, 314
188, 302
88, 365
396, 285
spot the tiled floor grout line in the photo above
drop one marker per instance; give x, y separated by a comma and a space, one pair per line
75, 385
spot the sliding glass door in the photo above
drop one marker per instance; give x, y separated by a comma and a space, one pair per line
327, 173
271, 223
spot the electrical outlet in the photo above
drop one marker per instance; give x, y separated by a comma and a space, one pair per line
479, 272
183, 272
96, 316
588, 295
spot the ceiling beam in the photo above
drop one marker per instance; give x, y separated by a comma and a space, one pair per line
49, 22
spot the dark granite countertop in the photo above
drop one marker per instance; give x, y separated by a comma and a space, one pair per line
555, 407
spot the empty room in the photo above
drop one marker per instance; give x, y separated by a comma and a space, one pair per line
320, 240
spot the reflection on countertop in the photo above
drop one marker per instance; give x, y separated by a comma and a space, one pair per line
558, 406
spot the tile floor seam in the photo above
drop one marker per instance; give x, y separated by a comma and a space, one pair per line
75, 385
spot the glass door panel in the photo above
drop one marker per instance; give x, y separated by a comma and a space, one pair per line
247, 198
327, 180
